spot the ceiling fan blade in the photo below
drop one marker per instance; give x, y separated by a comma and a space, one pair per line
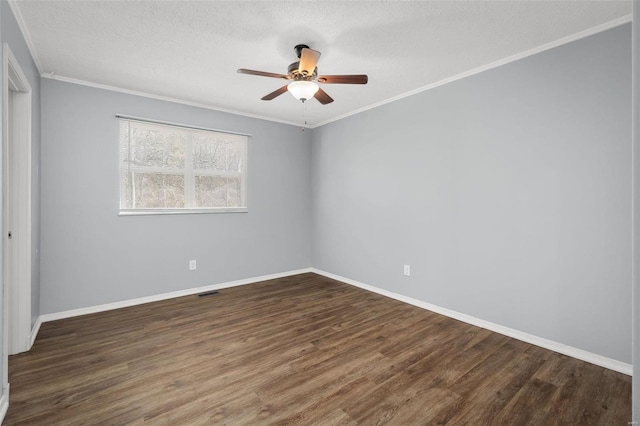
262, 73
344, 79
275, 93
308, 61
322, 97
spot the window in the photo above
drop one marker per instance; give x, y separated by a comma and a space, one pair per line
172, 169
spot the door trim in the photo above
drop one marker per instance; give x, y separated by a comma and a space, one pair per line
18, 326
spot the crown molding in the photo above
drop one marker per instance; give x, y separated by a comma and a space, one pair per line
13, 4
53, 76
565, 40
562, 41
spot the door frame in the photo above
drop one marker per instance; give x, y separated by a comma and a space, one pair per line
17, 132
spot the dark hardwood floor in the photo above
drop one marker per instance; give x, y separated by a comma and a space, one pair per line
299, 350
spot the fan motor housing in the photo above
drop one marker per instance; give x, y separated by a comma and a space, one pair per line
296, 75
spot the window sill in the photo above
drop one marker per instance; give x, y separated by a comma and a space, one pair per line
152, 212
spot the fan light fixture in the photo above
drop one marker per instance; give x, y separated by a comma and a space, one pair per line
303, 90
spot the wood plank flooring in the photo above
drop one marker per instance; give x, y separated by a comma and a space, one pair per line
299, 350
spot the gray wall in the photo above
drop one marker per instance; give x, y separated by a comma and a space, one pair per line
4, 359
10, 33
91, 256
507, 192
636, 215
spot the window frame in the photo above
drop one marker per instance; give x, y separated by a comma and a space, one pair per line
189, 173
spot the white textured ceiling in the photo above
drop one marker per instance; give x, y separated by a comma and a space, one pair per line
190, 50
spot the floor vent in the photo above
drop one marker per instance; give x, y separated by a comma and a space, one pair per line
208, 293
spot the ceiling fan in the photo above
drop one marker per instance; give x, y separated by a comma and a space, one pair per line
304, 74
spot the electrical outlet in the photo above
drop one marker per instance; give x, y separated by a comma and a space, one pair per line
192, 265
407, 270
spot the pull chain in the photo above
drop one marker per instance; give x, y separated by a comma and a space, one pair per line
304, 114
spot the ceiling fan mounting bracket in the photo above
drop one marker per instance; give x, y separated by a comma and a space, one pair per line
299, 48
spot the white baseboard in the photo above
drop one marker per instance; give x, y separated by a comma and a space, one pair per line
34, 332
571, 351
4, 403
164, 296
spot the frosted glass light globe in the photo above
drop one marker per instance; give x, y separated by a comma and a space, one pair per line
303, 90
